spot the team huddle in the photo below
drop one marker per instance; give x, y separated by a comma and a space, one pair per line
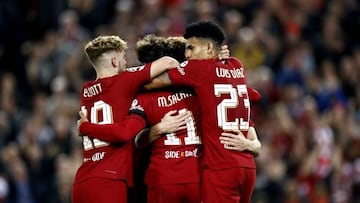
188, 105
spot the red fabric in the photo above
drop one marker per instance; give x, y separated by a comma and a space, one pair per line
189, 193
254, 95
106, 101
117, 132
218, 185
221, 89
172, 162
97, 190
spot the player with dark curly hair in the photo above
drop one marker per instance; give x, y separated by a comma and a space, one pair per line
172, 174
226, 175
173, 171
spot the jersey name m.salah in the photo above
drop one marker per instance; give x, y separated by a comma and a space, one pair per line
174, 157
106, 101
221, 90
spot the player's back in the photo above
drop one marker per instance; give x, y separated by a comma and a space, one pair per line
107, 101
173, 156
221, 89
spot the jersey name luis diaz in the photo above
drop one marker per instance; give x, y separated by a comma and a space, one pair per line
220, 72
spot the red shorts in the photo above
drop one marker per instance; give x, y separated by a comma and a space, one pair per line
189, 193
97, 190
233, 185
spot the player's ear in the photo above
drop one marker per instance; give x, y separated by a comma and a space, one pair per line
210, 48
114, 62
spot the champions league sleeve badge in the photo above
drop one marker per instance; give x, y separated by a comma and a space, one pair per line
134, 69
181, 67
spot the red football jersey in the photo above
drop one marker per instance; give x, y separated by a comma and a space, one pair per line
174, 156
106, 101
221, 90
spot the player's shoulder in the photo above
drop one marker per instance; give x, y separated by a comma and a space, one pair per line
145, 95
196, 65
192, 62
89, 83
135, 69
150, 96
235, 61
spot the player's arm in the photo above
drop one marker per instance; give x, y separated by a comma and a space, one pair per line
160, 81
160, 78
166, 63
169, 123
116, 132
235, 140
254, 95
161, 65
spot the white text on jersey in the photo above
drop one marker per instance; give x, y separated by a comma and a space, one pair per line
180, 154
98, 156
92, 90
234, 73
172, 99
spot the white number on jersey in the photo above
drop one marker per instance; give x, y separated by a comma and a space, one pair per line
191, 136
107, 115
233, 102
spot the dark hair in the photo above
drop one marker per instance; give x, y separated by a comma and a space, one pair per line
205, 29
175, 47
152, 47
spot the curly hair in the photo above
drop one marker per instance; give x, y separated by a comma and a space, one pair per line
152, 47
175, 47
205, 29
101, 44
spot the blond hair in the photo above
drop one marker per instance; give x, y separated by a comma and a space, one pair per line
96, 47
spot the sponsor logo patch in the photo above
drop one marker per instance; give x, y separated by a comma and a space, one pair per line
134, 69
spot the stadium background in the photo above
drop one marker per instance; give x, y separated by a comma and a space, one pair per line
302, 55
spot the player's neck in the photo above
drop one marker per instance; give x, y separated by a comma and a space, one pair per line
105, 72
213, 55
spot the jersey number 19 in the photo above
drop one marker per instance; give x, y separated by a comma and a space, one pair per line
107, 118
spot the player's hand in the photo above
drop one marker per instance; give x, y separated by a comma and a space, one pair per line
82, 119
234, 140
172, 122
224, 52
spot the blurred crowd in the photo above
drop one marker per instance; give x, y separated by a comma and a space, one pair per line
303, 56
